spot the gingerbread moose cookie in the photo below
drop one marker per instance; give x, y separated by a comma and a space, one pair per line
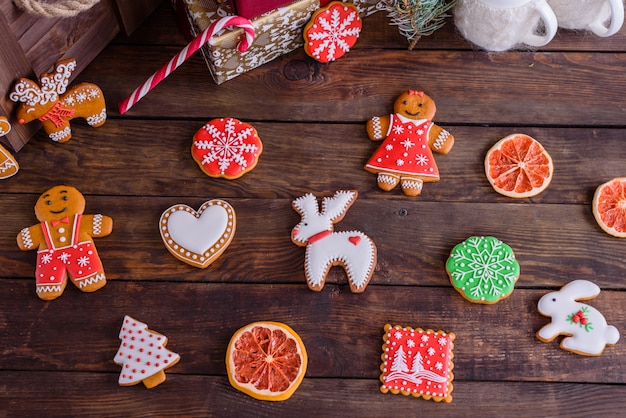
405, 157
64, 244
50, 103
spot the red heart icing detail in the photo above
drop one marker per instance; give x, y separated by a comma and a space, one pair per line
355, 239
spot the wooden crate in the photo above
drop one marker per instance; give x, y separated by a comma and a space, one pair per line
30, 45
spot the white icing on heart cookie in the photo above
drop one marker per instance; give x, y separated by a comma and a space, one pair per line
198, 238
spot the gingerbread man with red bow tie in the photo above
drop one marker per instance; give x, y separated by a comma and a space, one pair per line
64, 243
409, 138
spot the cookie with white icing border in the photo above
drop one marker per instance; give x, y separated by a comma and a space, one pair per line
483, 269
352, 250
142, 355
417, 362
226, 148
332, 31
198, 238
8, 164
586, 330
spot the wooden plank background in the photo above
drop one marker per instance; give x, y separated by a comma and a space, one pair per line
57, 357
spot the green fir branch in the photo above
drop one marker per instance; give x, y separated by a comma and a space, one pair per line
417, 18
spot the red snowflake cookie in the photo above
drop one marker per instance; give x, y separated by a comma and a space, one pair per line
226, 148
332, 31
417, 362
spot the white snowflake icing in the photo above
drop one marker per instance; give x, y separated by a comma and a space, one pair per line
442, 341
83, 261
425, 338
334, 34
421, 159
407, 143
400, 162
397, 335
64, 257
46, 258
420, 131
410, 343
438, 365
227, 147
398, 129
388, 147
431, 351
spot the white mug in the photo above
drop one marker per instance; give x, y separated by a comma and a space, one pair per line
499, 25
590, 15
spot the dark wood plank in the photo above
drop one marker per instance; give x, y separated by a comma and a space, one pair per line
341, 331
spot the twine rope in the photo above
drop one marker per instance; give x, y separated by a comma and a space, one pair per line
63, 8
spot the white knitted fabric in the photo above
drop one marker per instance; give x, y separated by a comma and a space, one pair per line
578, 14
495, 29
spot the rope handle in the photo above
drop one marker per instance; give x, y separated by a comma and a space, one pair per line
63, 8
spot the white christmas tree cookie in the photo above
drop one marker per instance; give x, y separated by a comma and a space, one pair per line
417, 362
142, 355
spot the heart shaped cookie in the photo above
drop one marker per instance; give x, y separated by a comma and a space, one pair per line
198, 238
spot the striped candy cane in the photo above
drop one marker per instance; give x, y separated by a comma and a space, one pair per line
187, 52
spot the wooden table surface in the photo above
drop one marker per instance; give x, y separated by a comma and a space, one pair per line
57, 356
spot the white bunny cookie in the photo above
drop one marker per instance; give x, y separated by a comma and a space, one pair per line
586, 329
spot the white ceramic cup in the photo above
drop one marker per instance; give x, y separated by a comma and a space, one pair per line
499, 25
602, 17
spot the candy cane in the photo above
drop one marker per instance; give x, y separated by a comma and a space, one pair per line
188, 51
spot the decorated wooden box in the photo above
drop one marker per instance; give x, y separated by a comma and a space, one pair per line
278, 32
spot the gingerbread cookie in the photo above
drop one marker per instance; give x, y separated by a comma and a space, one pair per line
142, 355
226, 148
352, 250
53, 106
483, 269
585, 328
417, 362
8, 164
198, 238
409, 137
64, 243
332, 31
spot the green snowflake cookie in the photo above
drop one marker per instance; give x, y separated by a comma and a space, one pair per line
483, 269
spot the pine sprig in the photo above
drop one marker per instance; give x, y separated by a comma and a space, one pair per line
417, 18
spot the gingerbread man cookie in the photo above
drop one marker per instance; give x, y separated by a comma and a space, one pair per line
8, 164
406, 155
53, 106
64, 243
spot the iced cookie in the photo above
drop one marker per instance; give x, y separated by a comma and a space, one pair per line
353, 250
226, 148
64, 243
8, 164
585, 328
266, 360
609, 207
53, 106
417, 362
142, 355
518, 166
405, 157
332, 31
198, 238
483, 269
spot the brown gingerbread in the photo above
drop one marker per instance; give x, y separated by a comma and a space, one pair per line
8, 164
64, 243
406, 155
50, 103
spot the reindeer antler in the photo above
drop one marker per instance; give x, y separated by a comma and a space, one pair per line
306, 205
55, 83
27, 91
336, 207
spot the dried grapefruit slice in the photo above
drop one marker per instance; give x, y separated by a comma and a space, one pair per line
609, 207
518, 166
266, 360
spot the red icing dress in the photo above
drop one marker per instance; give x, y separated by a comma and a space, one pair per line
405, 150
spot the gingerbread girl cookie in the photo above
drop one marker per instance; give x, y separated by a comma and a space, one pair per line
64, 243
406, 155
8, 164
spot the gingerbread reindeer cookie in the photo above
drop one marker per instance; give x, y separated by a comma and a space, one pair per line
50, 103
8, 164
64, 243
409, 138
